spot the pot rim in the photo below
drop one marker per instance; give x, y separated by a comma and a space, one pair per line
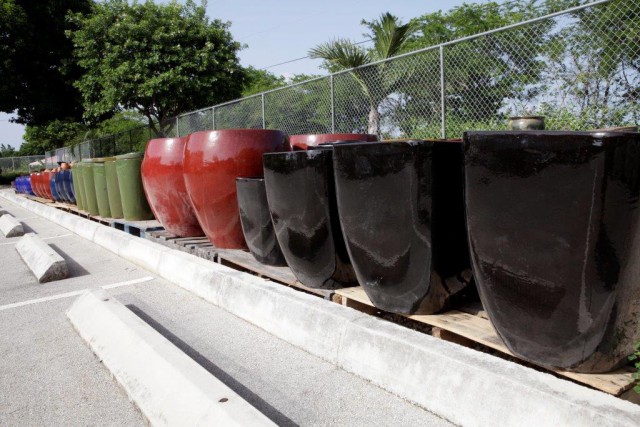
526, 117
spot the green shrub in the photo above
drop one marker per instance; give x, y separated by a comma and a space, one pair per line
6, 178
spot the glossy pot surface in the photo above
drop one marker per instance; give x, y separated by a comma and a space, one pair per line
46, 185
134, 202
113, 188
89, 187
553, 220
67, 184
163, 180
100, 185
302, 142
78, 186
256, 221
212, 162
301, 196
401, 208
35, 185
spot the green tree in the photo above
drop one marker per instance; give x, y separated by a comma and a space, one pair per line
260, 81
36, 72
55, 134
377, 82
7, 151
157, 59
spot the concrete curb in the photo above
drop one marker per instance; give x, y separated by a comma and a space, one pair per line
45, 263
184, 394
457, 383
10, 226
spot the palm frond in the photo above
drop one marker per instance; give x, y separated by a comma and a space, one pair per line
389, 35
342, 53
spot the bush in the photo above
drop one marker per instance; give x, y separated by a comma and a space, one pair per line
6, 178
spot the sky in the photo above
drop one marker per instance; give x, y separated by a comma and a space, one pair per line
277, 31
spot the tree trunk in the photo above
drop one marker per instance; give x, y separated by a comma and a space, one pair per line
374, 121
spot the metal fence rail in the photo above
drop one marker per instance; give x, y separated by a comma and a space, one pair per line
579, 67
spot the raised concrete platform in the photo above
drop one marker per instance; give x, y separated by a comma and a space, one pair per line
45, 263
169, 387
462, 385
10, 226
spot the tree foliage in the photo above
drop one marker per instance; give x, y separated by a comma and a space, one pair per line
157, 59
39, 139
36, 70
260, 81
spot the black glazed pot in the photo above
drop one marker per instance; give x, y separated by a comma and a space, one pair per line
552, 220
256, 221
401, 207
301, 196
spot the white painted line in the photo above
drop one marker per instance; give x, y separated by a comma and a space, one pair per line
43, 238
73, 293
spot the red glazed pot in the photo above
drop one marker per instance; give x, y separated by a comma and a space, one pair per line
212, 162
46, 183
302, 142
163, 181
35, 185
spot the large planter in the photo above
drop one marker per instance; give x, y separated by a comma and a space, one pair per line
401, 208
53, 183
553, 220
67, 183
46, 185
78, 186
301, 196
256, 221
89, 186
163, 180
303, 142
35, 184
100, 185
134, 201
113, 188
212, 162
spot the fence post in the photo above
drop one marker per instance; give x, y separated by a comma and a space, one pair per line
178, 126
264, 121
443, 104
213, 118
13, 163
333, 109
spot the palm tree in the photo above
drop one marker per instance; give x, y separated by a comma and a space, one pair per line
377, 81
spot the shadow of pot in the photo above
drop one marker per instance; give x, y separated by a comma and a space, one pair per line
552, 220
401, 208
163, 181
301, 197
255, 219
212, 162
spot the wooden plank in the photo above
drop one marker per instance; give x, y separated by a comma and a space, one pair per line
279, 274
480, 330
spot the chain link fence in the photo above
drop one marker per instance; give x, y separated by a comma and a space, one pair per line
580, 68
19, 164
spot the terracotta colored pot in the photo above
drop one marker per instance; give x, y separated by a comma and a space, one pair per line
301, 196
302, 142
163, 180
212, 162
553, 220
401, 208
256, 221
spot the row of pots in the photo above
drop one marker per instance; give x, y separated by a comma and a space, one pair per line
111, 187
57, 186
551, 220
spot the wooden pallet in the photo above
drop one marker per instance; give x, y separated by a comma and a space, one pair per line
135, 228
283, 275
201, 247
473, 326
